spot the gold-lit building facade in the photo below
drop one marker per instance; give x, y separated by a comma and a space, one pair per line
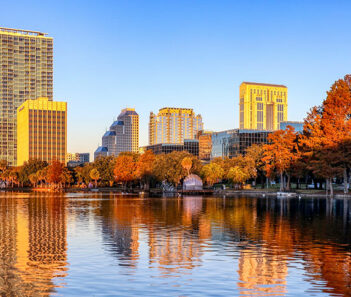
42, 131
262, 106
26, 72
205, 145
172, 125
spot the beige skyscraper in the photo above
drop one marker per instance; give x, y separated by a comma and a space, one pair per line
173, 125
26, 72
262, 106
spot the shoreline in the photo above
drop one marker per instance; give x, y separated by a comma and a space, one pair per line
268, 193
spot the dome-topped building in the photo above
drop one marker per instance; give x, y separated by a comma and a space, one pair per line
192, 182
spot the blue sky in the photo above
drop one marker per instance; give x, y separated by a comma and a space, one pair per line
149, 54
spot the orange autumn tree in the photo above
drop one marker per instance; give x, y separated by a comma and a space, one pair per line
187, 163
280, 153
327, 134
125, 168
54, 172
144, 167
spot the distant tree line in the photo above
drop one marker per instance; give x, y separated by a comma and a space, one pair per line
322, 152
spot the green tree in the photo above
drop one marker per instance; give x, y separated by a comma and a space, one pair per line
94, 175
212, 173
105, 166
238, 175
28, 168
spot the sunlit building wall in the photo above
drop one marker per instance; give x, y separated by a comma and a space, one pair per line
42, 131
123, 135
262, 106
173, 125
205, 145
26, 72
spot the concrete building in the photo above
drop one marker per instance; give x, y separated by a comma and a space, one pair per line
262, 106
26, 72
77, 159
173, 125
123, 135
231, 143
42, 131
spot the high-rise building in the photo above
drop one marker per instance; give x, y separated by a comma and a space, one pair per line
173, 125
26, 72
262, 106
42, 131
123, 135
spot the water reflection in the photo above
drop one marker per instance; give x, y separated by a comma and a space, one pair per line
241, 246
32, 245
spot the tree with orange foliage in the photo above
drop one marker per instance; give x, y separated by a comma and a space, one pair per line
327, 134
254, 155
144, 167
280, 153
187, 163
125, 168
54, 173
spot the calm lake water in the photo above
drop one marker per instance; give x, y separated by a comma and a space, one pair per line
109, 245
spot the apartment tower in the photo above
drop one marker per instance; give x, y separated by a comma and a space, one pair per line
26, 72
42, 131
262, 106
174, 125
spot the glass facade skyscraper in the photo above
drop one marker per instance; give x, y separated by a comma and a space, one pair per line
26, 72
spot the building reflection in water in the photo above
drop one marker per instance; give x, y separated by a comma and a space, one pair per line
32, 245
267, 232
176, 235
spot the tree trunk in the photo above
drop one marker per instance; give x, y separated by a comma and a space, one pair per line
331, 187
326, 186
281, 181
345, 181
288, 183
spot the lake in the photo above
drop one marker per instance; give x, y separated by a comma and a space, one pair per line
110, 245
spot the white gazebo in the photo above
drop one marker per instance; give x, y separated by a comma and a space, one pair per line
192, 182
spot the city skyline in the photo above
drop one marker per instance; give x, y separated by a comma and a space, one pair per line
227, 46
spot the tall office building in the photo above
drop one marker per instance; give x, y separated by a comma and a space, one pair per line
26, 72
174, 125
42, 131
123, 135
262, 106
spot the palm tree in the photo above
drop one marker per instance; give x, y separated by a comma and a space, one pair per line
95, 175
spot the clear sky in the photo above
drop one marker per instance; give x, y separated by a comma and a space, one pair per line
148, 54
